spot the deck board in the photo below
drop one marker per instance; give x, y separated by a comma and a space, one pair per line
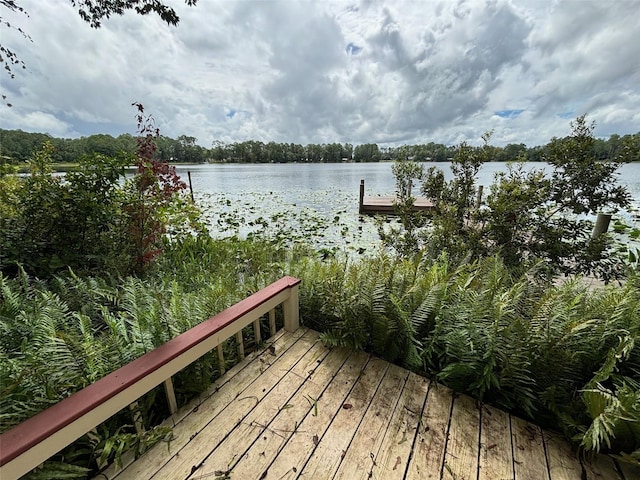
302, 410
496, 453
288, 420
332, 446
427, 460
362, 456
530, 461
395, 450
256, 424
461, 459
293, 457
564, 463
194, 456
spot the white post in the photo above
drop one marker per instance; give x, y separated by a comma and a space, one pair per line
291, 309
171, 396
272, 321
220, 358
240, 343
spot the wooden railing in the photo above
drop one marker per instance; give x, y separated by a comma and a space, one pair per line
30, 443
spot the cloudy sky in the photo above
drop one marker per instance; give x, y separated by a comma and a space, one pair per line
390, 72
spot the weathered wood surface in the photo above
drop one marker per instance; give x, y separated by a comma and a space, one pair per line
380, 205
300, 410
385, 205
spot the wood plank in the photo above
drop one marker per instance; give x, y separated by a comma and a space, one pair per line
287, 423
201, 444
428, 451
362, 454
496, 454
461, 457
530, 462
385, 205
192, 419
395, 450
600, 467
564, 463
241, 436
332, 447
292, 458
420, 202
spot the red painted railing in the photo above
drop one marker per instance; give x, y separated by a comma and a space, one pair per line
30, 443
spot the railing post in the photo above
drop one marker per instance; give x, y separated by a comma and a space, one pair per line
291, 310
171, 395
361, 203
240, 345
256, 331
221, 359
272, 322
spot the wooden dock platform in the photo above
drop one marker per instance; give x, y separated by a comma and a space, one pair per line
297, 409
385, 205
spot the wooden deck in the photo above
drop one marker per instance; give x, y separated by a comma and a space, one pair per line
385, 205
297, 409
380, 205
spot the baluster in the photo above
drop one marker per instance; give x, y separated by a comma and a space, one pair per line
171, 395
272, 321
256, 331
220, 359
240, 343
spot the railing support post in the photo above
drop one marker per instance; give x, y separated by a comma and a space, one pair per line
240, 345
221, 359
272, 322
291, 310
171, 396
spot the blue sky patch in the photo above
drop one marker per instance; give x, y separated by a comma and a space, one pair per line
353, 49
509, 113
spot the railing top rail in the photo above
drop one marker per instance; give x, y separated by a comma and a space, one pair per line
32, 431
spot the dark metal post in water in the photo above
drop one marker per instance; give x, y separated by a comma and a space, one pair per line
602, 224
190, 186
360, 207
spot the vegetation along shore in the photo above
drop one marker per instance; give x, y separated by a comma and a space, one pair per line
97, 269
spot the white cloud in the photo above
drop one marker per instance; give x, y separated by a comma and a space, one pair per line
42, 122
360, 71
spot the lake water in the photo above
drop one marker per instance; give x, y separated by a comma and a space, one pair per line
321, 200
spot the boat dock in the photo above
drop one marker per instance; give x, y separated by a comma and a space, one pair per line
385, 205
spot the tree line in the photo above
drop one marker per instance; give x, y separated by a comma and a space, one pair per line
17, 146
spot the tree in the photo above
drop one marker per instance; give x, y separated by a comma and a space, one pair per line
530, 215
91, 11
406, 238
368, 152
92, 220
